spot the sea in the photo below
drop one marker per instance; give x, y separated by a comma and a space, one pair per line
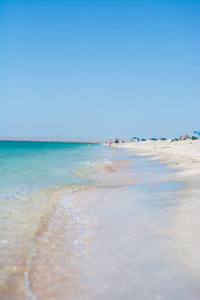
33, 177
27, 166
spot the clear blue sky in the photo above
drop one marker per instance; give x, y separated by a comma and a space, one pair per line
99, 68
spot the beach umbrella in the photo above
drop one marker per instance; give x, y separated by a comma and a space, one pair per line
135, 138
153, 139
197, 132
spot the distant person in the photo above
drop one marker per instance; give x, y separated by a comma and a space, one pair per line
110, 142
187, 137
116, 141
180, 138
184, 138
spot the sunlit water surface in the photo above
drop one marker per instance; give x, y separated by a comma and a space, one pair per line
67, 239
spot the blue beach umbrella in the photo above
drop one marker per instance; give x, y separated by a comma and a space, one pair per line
197, 132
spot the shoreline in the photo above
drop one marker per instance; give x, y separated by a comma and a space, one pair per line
183, 156
55, 140
115, 237
69, 233
17, 269
155, 234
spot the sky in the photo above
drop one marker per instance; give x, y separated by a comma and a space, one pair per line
99, 69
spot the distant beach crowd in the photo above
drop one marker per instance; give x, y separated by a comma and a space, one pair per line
136, 139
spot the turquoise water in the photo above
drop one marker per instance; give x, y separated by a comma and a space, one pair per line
34, 177
25, 166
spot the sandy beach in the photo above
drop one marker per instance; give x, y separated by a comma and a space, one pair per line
133, 234
181, 155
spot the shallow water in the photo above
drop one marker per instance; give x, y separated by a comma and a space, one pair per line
140, 247
33, 176
121, 240
25, 166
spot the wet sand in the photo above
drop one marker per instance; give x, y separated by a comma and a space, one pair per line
135, 236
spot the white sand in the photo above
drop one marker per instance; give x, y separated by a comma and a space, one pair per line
183, 155
184, 220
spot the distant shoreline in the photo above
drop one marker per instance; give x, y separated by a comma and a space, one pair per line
56, 140
181, 155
